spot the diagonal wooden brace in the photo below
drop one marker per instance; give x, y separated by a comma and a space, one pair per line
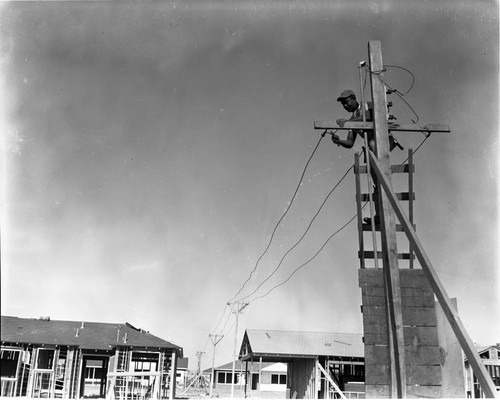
445, 302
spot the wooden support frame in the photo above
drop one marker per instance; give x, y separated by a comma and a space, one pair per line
332, 382
387, 224
444, 301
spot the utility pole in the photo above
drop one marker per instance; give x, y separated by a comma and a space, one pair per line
388, 226
389, 209
199, 354
237, 308
215, 339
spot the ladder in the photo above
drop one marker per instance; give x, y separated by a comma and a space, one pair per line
362, 199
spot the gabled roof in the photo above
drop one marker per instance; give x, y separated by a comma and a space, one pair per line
295, 344
85, 335
482, 349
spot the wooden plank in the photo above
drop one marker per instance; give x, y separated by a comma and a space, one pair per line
452, 367
422, 355
419, 316
382, 391
368, 254
410, 278
414, 355
426, 293
425, 375
377, 374
359, 125
412, 316
415, 375
377, 391
451, 314
368, 228
423, 335
406, 301
395, 169
424, 392
376, 354
403, 196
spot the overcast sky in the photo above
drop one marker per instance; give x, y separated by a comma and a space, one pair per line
150, 148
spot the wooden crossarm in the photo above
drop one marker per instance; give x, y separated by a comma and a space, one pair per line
448, 308
430, 128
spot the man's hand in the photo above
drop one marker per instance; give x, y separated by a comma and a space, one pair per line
335, 138
341, 122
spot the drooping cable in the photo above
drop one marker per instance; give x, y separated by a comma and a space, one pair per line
307, 262
302, 237
279, 221
322, 247
404, 69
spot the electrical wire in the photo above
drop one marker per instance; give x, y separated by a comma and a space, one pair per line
404, 69
302, 237
307, 262
279, 221
401, 95
334, 234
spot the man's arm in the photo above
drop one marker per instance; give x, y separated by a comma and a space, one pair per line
348, 142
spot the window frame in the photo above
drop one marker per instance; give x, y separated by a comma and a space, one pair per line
19, 357
279, 377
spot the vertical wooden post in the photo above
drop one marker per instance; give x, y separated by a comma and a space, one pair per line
410, 202
360, 216
387, 220
173, 373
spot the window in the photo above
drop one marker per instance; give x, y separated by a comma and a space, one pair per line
9, 360
224, 377
45, 359
278, 379
93, 371
145, 362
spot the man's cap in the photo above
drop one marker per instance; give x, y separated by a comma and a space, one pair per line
345, 94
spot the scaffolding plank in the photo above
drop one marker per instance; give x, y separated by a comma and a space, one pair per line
371, 254
395, 169
368, 227
402, 196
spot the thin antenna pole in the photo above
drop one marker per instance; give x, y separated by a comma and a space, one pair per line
215, 339
236, 309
